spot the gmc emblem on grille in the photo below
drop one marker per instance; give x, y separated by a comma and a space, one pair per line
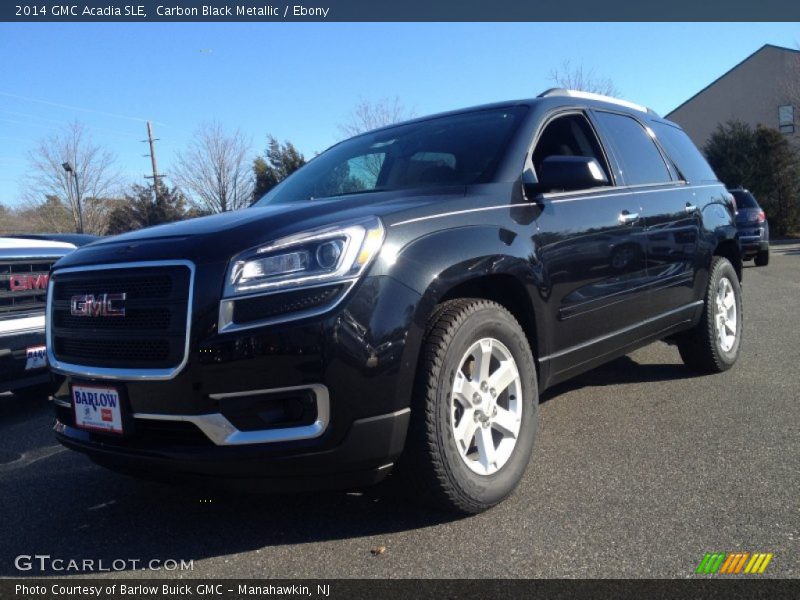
20, 283
97, 305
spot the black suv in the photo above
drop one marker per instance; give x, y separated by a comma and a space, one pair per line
400, 301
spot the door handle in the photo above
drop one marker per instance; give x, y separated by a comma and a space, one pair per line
690, 208
626, 217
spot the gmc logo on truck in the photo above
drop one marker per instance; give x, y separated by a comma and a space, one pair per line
20, 283
97, 305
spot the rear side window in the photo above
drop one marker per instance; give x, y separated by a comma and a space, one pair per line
639, 158
683, 153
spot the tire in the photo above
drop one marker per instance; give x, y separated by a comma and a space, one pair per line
762, 258
437, 464
704, 349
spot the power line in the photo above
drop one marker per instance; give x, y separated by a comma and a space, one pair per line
71, 107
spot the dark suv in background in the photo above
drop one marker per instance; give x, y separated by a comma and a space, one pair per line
399, 302
753, 228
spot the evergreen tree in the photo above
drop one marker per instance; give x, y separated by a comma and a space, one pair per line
279, 161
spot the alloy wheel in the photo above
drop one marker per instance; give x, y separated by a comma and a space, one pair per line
486, 406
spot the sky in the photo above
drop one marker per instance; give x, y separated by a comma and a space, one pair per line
300, 81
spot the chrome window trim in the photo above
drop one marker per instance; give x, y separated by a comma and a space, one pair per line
555, 197
113, 373
223, 433
572, 196
225, 323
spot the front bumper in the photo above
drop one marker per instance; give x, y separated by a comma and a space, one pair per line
13, 361
364, 457
359, 354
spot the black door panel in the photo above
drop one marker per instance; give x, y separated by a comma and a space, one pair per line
593, 251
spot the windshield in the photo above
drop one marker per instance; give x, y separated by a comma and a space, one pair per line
454, 150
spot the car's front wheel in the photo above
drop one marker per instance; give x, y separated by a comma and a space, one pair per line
473, 420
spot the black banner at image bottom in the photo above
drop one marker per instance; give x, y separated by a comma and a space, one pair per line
438, 589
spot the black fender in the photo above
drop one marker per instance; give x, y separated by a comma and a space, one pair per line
441, 262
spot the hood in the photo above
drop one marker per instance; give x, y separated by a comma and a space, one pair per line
12, 242
218, 237
22, 249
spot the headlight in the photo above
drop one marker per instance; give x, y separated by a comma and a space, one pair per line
329, 254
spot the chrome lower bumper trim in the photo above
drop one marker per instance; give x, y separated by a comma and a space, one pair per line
223, 433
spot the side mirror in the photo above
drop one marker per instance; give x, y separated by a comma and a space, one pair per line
570, 173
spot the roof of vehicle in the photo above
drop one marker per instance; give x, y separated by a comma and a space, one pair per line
554, 95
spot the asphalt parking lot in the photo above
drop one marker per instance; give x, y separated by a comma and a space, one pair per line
640, 468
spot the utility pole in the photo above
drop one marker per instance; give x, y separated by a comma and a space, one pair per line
72, 173
155, 176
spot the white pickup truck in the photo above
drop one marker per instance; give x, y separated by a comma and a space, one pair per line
24, 273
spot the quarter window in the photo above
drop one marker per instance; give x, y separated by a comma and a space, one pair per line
639, 159
687, 158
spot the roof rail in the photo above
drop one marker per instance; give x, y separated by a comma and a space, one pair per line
592, 96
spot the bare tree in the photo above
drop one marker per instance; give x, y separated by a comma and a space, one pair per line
48, 185
577, 78
367, 116
215, 170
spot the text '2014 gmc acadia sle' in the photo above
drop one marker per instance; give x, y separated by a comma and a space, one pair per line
400, 301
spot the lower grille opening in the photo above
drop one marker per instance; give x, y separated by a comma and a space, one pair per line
277, 410
146, 433
169, 433
249, 310
111, 349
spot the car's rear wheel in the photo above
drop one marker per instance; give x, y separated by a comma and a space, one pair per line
713, 345
762, 258
473, 420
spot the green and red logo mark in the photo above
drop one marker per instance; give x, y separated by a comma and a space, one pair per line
734, 563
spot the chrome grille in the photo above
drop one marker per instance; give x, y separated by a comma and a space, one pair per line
14, 273
152, 334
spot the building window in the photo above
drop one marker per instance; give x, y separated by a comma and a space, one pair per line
786, 118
